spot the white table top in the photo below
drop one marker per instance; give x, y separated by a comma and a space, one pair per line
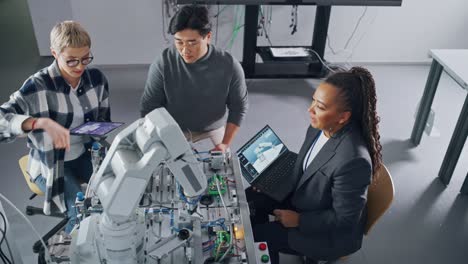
455, 63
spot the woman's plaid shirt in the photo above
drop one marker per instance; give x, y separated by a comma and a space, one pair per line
46, 94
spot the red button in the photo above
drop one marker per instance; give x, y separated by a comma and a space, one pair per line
262, 246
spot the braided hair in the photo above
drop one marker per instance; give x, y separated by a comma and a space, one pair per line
356, 89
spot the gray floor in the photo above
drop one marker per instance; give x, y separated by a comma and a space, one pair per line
427, 223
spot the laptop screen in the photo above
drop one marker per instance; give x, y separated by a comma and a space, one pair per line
260, 152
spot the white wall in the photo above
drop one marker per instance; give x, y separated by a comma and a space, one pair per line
130, 32
403, 34
44, 15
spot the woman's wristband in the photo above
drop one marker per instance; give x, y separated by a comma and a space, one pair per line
33, 124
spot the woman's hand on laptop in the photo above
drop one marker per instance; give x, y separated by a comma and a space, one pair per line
60, 135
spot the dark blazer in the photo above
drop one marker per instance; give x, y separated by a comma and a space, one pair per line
331, 196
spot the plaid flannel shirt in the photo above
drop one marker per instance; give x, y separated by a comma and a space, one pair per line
46, 94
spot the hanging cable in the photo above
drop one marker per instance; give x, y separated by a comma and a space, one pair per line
238, 15
46, 252
262, 26
3, 256
220, 11
5, 229
356, 27
348, 41
362, 36
294, 19
323, 63
270, 18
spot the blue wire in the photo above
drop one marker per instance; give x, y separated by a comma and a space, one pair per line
209, 248
218, 222
182, 196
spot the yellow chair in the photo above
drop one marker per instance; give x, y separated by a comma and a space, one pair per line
379, 197
23, 163
32, 210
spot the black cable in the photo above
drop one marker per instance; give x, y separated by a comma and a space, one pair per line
294, 19
297, 17
3, 231
220, 11
2, 255
266, 35
269, 19
5, 259
263, 27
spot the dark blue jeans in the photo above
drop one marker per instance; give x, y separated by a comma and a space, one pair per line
76, 172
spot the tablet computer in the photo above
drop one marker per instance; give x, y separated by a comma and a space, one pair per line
95, 128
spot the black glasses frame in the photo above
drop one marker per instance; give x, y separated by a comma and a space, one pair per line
76, 62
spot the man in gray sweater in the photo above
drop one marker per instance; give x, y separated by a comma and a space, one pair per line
196, 82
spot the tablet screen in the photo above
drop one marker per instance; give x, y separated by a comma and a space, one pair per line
95, 128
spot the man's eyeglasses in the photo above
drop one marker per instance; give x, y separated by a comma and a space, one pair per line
187, 44
76, 62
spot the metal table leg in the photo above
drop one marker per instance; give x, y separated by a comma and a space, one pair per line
426, 102
464, 188
456, 145
250, 40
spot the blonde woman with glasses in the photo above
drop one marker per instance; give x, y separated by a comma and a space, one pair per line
59, 97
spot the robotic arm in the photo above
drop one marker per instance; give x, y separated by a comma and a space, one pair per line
120, 181
135, 154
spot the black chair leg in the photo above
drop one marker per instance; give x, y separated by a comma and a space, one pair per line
38, 247
31, 210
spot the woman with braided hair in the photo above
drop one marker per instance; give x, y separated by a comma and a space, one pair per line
324, 216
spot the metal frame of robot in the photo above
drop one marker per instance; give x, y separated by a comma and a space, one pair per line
174, 220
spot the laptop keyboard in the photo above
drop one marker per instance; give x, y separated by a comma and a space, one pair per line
277, 174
